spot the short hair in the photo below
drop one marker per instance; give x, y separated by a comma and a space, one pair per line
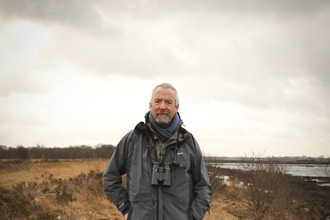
166, 85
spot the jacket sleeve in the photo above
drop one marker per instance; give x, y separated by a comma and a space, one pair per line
201, 183
112, 177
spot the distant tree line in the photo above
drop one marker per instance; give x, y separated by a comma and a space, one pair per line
71, 152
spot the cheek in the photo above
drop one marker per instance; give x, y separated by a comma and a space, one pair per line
174, 110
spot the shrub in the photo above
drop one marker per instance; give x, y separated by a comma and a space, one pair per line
62, 193
17, 203
217, 183
266, 190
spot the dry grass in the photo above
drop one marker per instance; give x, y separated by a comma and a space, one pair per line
16, 171
46, 190
71, 189
219, 210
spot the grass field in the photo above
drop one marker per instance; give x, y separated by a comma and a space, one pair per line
66, 189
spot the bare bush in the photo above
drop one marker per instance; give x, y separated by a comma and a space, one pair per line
32, 201
217, 183
265, 189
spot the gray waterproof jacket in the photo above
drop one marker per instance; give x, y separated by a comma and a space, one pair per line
187, 197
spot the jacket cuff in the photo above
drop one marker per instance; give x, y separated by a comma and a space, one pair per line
125, 208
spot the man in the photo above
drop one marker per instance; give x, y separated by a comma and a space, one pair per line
166, 175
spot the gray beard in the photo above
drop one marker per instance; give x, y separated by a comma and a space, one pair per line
162, 120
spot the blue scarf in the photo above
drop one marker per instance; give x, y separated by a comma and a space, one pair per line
166, 134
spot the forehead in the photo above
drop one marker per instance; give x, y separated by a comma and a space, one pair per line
164, 93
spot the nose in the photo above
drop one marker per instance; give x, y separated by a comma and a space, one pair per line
162, 106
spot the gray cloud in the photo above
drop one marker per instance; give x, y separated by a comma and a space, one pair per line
80, 15
269, 59
291, 41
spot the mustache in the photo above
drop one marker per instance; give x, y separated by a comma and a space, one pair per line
162, 112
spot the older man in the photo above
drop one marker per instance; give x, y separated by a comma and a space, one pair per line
166, 175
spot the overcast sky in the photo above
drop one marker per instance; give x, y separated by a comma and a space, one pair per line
251, 75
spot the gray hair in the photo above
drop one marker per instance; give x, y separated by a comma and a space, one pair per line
167, 85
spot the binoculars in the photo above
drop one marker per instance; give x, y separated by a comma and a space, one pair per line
161, 174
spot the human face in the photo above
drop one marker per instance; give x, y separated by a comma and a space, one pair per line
162, 106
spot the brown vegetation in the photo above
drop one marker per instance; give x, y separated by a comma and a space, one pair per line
49, 189
248, 196
73, 189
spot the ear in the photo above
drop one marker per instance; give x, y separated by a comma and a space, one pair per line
177, 108
149, 106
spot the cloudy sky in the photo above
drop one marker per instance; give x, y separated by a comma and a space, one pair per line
251, 75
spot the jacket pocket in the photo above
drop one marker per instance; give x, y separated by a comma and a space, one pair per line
183, 158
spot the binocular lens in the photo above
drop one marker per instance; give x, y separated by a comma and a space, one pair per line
161, 174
